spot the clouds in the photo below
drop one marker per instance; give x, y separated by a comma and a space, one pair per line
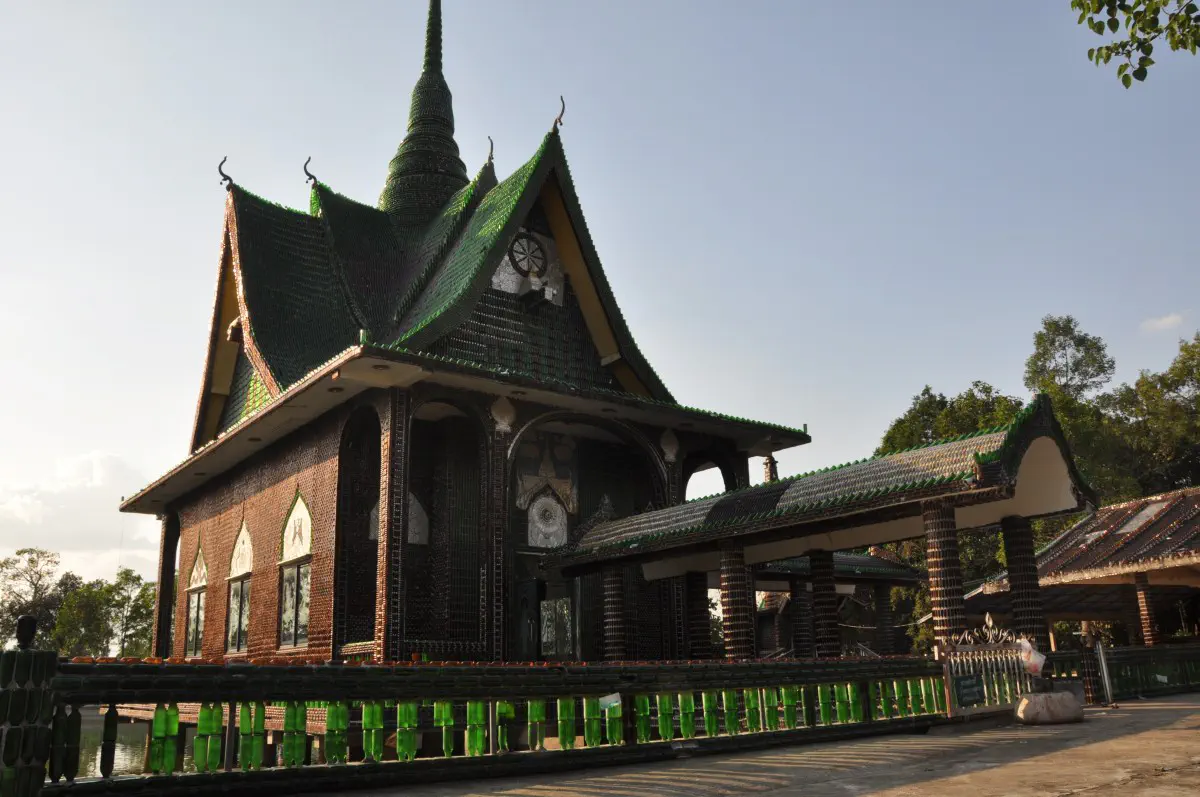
73, 511
1162, 323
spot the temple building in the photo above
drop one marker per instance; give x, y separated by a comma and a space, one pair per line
425, 428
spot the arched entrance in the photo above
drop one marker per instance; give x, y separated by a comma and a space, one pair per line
357, 551
445, 546
568, 472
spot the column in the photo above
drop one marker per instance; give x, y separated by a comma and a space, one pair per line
699, 623
800, 609
1029, 620
614, 614
827, 641
737, 618
164, 596
1145, 598
945, 573
885, 631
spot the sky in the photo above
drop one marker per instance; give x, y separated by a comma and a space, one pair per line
807, 210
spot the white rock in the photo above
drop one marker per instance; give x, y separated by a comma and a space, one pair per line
1049, 708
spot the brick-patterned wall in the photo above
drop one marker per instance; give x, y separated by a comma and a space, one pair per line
736, 602
261, 492
945, 572
1029, 619
827, 641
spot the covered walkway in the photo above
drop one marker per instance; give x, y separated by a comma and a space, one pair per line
1005, 476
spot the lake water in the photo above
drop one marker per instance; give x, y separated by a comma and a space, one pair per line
131, 746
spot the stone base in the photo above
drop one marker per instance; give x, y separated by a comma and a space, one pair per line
1049, 708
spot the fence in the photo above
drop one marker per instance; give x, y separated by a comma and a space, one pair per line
293, 728
984, 678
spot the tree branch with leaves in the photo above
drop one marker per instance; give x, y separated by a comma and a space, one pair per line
1145, 23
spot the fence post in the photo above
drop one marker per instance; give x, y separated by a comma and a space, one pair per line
25, 676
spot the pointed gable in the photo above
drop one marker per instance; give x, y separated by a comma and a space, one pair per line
461, 313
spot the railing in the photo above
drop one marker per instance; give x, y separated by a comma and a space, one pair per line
298, 727
1147, 672
984, 678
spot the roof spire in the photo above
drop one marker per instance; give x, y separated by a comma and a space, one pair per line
426, 170
433, 37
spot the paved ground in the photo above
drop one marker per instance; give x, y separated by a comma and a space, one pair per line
1144, 748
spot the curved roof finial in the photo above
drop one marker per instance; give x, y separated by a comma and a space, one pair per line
311, 178
226, 180
491, 149
558, 122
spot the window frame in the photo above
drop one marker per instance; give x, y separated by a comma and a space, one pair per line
302, 564
239, 614
194, 611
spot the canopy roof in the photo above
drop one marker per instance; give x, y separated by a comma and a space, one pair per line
847, 567
1158, 535
1024, 468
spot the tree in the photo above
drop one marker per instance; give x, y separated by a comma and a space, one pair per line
1177, 22
30, 584
1160, 419
932, 416
1067, 357
131, 600
84, 625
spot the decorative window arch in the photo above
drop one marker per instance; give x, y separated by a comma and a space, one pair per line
197, 587
295, 568
237, 614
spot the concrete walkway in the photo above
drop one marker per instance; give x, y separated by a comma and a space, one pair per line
1143, 748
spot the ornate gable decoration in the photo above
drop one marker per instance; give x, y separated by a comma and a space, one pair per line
199, 577
242, 561
297, 531
531, 266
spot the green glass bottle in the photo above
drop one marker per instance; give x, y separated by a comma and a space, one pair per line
506, 712
665, 706
591, 721
791, 699
536, 716
443, 717
641, 718
614, 725
566, 723
406, 729
753, 710
711, 721
770, 709
476, 727
687, 715
729, 707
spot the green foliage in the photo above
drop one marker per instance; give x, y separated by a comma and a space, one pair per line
84, 624
95, 618
1131, 441
131, 606
1144, 22
932, 416
30, 584
1067, 360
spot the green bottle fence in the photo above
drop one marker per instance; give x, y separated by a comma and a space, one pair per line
336, 724
294, 727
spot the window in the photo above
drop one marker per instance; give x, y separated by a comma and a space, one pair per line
293, 605
195, 622
237, 614
194, 630
556, 629
294, 573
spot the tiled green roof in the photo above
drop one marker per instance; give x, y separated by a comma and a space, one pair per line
463, 270
247, 394
942, 467
298, 315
